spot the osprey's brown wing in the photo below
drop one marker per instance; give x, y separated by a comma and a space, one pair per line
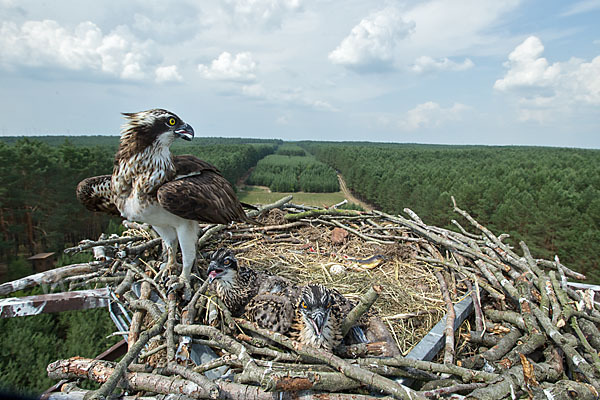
199, 192
95, 194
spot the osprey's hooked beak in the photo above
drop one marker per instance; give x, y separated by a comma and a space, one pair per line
213, 271
186, 132
317, 320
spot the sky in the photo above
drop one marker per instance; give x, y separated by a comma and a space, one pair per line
493, 72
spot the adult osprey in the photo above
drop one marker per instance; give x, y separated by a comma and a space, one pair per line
171, 193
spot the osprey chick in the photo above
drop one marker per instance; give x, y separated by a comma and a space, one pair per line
236, 285
312, 314
319, 317
171, 193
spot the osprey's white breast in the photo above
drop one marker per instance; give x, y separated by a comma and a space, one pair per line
135, 181
151, 213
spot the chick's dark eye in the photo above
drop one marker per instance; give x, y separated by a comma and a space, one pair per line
172, 121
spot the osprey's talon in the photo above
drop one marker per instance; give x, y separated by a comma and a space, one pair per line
176, 283
187, 288
173, 284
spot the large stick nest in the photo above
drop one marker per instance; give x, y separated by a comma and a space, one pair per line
410, 303
530, 335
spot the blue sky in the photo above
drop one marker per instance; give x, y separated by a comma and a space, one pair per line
433, 71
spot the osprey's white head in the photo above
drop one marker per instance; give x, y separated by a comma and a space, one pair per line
152, 127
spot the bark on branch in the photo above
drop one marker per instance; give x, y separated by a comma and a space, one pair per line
364, 304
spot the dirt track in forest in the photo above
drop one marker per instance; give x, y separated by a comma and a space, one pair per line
348, 194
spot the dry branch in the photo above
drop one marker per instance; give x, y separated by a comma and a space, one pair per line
320, 212
88, 244
120, 369
101, 371
366, 301
48, 277
466, 374
352, 371
138, 316
450, 316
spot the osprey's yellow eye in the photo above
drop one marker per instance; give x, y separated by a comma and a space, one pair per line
329, 305
226, 262
172, 121
303, 305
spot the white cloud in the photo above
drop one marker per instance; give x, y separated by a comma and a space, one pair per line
47, 43
263, 13
428, 64
374, 42
167, 22
545, 90
584, 81
396, 37
239, 73
240, 68
255, 90
167, 74
526, 67
283, 120
424, 116
430, 115
296, 96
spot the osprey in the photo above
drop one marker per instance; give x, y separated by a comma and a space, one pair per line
311, 314
236, 285
319, 317
171, 193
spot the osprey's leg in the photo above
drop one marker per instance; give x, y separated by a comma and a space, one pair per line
188, 238
169, 237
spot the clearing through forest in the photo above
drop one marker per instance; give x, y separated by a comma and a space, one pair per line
348, 194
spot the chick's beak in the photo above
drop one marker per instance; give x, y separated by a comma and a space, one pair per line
317, 320
213, 270
186, 132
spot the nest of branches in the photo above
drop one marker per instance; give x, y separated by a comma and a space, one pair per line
530, 333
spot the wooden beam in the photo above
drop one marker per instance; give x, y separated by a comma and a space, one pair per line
51, 276
54, 302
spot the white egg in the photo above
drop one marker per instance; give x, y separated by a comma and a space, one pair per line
337, 269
